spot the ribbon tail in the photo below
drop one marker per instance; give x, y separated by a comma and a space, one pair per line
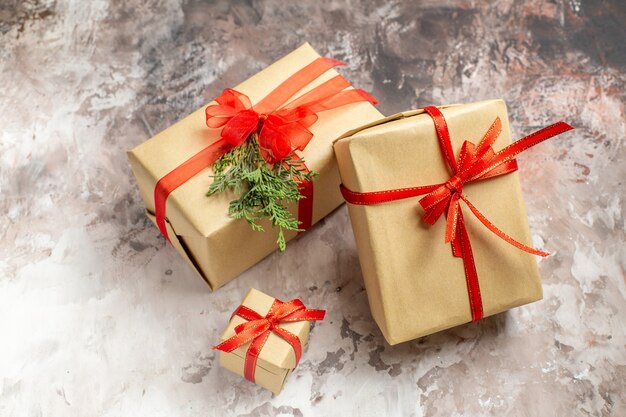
471, 276
456, 247
510, 152
500, 233
452, 218
533, 139
433, 212
181, 174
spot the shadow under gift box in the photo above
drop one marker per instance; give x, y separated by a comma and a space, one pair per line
215, 245
277, 359
415, 286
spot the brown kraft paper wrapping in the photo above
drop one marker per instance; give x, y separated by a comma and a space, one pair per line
414, 285
199, 226
277, 359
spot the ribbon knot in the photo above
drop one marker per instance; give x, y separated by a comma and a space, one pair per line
272, 320
455, 184
257, 329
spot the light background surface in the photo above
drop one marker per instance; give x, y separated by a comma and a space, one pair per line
98, 316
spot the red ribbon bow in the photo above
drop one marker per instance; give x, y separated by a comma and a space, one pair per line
281, 130
475, 163
282, 127
258, 328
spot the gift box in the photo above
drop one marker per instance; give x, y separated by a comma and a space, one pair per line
265, 339
199, 226
435, 200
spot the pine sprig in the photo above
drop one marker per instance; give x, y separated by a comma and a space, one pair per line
265, 190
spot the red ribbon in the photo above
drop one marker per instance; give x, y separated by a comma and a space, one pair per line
281, 128
258, 328
475, 163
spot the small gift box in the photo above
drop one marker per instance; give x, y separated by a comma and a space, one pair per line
265, 339
438, 216
263, 151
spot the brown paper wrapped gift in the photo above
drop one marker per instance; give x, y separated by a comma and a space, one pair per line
414, 285
199, 226
276, 359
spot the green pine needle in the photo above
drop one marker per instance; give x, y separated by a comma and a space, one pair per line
265, 190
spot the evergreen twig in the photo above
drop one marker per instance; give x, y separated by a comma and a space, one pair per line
265, 190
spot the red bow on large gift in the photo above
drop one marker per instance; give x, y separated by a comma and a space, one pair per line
475, 163
258, 328
281, 128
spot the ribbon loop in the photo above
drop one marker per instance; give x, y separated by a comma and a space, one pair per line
455, 185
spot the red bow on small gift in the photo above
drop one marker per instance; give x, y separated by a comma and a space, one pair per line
475, 163
258, 328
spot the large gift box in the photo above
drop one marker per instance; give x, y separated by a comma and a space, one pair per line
265, 339
403, 173
173, 173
